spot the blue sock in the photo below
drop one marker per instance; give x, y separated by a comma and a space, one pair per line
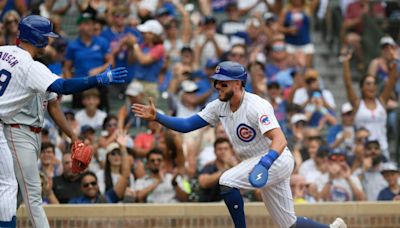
234, 201
303, 222
9, 224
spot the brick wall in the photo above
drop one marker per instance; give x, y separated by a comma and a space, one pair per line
357, 215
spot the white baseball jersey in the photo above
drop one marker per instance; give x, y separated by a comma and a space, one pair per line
32, 114
246, 126
21, 78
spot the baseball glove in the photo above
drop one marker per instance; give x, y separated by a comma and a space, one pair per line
81, 156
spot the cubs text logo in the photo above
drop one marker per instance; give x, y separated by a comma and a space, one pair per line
245, 133
217, 69
264, 119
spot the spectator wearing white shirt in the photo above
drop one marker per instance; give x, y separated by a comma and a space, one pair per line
157, 186
91, 115
209, 43
302, 96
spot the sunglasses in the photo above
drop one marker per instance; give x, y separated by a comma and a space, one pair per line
310, 80
338, 158
112, 125
361, 140
372, 147
115, 152
154, 160
11, 21
316, 137
86, 185
278, 48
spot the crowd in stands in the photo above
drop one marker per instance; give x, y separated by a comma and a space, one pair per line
343, 151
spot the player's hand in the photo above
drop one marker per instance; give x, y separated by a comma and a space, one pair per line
115, 76
147, 112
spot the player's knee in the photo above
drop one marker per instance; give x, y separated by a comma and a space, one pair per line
226, 189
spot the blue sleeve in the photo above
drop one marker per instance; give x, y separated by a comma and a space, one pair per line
183, 125
74, 85
111, 196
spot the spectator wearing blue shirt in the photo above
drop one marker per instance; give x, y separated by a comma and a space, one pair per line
116, 35
87, 55
341, 136
391, 173
148, 57
278, 59
90, 187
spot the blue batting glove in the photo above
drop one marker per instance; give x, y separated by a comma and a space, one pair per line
114, 76
259, 175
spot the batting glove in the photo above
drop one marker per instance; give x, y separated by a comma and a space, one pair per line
114, 76
259, 175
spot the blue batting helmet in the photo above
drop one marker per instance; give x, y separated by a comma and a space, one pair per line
230, 71
35, 29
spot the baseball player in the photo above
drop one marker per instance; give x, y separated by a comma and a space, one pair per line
21, 79
22, 132
257, 138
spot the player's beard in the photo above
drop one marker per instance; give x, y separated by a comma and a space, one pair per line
227, 97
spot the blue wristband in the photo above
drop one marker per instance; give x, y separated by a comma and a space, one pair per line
269, 158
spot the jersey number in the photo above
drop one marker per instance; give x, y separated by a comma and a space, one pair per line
5, 77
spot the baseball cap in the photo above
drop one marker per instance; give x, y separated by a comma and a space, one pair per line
112, 146
346, 107
387, 40
84, 17
212, 63
388, 167
324, 151
69, 112
162, 12
189, 86
297, 118
311, 74
87, 128
134, 89
152, 26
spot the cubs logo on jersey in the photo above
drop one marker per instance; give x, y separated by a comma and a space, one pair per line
265, 120
245, 132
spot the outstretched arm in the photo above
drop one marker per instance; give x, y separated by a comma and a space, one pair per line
184, 125
75, 85
391, 82
351, 95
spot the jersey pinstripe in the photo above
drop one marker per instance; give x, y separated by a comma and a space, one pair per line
21, 78
245, 126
